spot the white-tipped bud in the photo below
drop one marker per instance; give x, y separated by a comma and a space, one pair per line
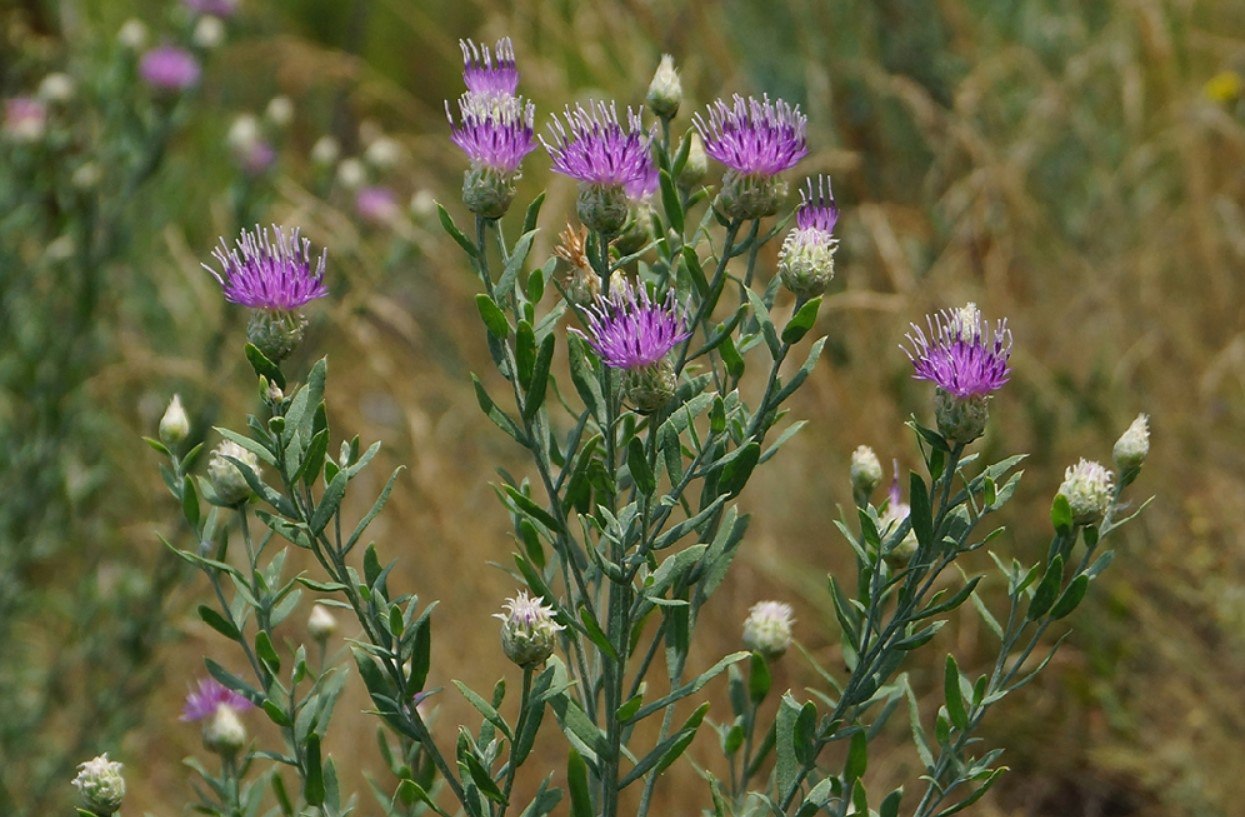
86, 176
665, 92
280, 111
209, 32
1133, 445
244, 132
1087, 487
767, 629
321, 624
224, 732
227, 480
57, 87
174, 425
132, 34
101, 785
383, 153
423, 204
866, 471
528, 631
325, 151
351, 174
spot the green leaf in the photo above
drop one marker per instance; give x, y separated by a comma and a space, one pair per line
731, 357
1047, 589
528, 506
518, 255
787, 765
231, 681
329, 503
797, 379
266, 652
499, 417
637, 463
693, 686
670, 202
922, 514
190, 503
890, 806
954, 697
1061, 515
450, 227
692, 262
494, 319
263, 366
584, 374
480, 776
736, 473
801, 321
595, 634
539, 380
535, 289
857, 757
577, 782
1071, 597
218, 623
629, 709
313, 788
532, 214
276, 714
761, 313
759, 679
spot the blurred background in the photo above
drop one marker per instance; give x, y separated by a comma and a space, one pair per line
1076, 167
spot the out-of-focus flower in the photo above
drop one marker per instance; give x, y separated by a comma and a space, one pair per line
132, 35
490, 77
528, 630
383, 153
900, 552
216, 8
806, 262
325, 151
756, 140
101, 785
280, 111
423, 204
665, 92
25, 119
606, 158
1087, 486
767, 629
243, 132
56, 87
87, 176
169, 68
209, 32
218, 708
1225, 87
866, 472
377, 204
351, 173
967, 360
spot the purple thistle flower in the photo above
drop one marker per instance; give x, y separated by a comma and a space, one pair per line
377, 204
488, 74
494, 136
806, 262
960, 354
25, 118
629, 330
640, 189
169, 68
211, 695
594, 148
817, 210
217, 8
261, 273
754, 137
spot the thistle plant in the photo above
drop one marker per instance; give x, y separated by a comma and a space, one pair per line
628, 519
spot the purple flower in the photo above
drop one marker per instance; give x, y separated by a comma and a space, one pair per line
628, 330
216, 8
169, 68
262, 273
594, 148
494, 137
25, 118
754, 137
378, 205
961, 354
486, 74
640, 189
257, 157
211, 695
817, 210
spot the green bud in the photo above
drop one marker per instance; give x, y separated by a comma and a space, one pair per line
488, 193
961, 420
227, 480
744, 198
276, 333
223, 732
528, 631
665, 92
603, 208
101, 785
649, 388
174, 425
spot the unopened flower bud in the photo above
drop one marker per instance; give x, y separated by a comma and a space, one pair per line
325, 151
321, 624
174, 425
638, 230
697, 165
276, 333
383, 153
56, 87
101, 785
648, 388
244, 131
351, 173
767, 629
665, 92
224, 732
602, 207
488, 192
132, 34
961, 420
744, 198
1087, 487
866, 471
528, 631
209, 32
280, 111
1133, 445
226, 478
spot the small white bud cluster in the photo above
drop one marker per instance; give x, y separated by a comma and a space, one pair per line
528, 631
866, 471
767, 629
321, 624
1087, 487
227, 480
665, 92
101, 785
223, 732
1133, 446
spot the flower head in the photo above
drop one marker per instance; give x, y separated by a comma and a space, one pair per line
528, 631
628, 330
961, 354
1087, 486
272, 271
495, 138
897, 512
210, 695
490, 74
100, 784
25, 118
377, 204
175, 424
594, 147
806, 262
768, 628
216, 8
754, 137
169, 68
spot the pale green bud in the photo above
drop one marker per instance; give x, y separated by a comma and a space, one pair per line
321, 624
638, 230
697, 165
1087, 486
174, 425
806, 262
744, 198
227, 480
649, 388
866, 471
488, 193
665, 92
602, 207
961, 420
224, 732
1133, 445
100, 784
528, 631
276, 333
767, 629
